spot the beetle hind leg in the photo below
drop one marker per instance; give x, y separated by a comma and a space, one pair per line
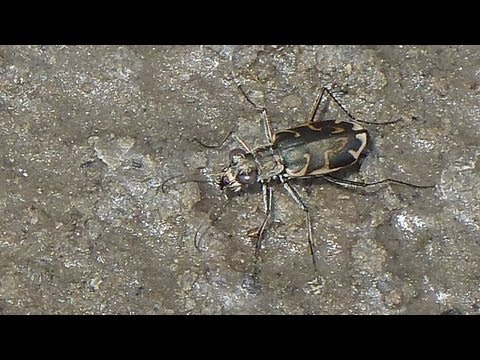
327, 91
344, 182
316, 104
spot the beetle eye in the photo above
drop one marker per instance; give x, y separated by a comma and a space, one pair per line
235, 152
249, 178
224, 182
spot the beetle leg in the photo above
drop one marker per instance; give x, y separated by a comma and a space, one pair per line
344, 182
263, 110
214, 146
296, 196
267, 205
243, 143
267, 126
259, 108
329, 93
316, 104
353, 117
230, 133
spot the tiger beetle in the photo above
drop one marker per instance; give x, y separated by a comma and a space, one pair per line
312, 149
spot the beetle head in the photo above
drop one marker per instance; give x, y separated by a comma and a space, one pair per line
241, 172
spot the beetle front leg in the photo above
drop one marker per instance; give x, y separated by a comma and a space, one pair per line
217, 146
267, 126
266, 119
230, 133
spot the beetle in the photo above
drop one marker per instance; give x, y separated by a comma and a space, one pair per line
312, 149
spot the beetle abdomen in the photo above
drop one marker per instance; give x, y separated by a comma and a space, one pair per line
320, 147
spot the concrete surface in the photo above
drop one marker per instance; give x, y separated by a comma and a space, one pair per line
89, 132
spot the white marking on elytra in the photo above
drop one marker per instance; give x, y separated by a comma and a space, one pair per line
363, 138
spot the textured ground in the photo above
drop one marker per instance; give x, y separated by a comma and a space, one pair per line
89, 133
